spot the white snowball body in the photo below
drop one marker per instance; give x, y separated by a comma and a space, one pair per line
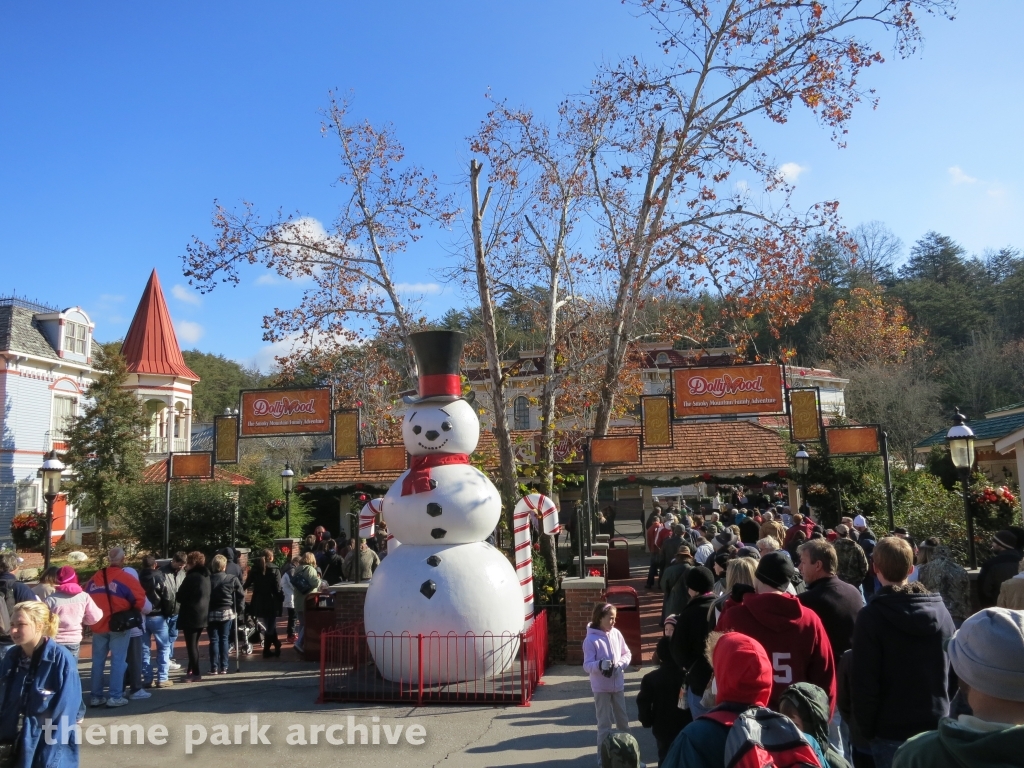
475, 592
465, 505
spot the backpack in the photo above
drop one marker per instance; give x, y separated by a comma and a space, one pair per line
301, 582
620, 750
760, 738
6, 608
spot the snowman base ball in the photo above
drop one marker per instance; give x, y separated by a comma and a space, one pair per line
464, 599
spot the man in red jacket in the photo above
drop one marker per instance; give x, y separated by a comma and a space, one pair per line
113, 590
791, 634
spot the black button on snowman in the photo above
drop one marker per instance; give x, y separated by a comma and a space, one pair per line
444, 579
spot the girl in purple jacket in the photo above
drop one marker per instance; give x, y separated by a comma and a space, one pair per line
605, 658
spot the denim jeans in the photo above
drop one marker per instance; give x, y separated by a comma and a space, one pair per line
172, 633
219, 641
116, 645
884, 750
156, 627
74, 649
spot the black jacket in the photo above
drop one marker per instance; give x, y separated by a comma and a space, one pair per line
226, 592
673, 581
690, 639
900, 669
158, 591
837, 605
194, 599
333, 569
993, 573
658, 700
267, 595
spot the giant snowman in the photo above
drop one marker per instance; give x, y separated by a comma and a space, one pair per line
444, 582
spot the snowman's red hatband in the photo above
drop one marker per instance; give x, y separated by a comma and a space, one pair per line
440, 384
418, 479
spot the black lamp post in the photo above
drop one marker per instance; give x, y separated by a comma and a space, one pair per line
960, 440
802, 459
51, 472
287, 482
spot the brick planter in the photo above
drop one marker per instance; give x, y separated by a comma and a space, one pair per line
581, 595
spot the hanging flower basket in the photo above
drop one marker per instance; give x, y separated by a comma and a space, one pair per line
28, 530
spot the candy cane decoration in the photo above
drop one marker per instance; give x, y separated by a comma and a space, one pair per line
543, 512
368, 522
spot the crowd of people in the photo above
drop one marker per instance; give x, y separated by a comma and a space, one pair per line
135, 618
863, 649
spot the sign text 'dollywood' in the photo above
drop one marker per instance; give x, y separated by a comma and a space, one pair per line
285, 412
727, 389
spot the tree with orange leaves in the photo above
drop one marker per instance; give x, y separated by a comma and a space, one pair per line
685, 196
866, 328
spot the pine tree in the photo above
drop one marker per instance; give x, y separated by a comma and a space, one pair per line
106, 442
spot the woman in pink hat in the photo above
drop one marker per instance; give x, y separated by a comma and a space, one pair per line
73, 608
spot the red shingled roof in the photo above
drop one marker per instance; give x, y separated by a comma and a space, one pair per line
151, 345
720, 448
157, 473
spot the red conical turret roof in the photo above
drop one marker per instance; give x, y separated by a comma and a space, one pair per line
151, 345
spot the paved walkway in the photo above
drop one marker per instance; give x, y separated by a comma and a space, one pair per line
557, 729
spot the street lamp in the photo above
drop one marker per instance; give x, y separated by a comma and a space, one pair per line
802, 459
51, 473
287, 482
960, 440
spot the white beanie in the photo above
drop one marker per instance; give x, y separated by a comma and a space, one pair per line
860, 522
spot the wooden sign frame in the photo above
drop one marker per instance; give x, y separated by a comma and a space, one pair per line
794, 417
644, 400
623, 449
339, 451
383, 458
186, 466
845, 437
222, 430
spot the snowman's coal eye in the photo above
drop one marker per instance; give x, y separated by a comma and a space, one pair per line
446, 426
417, 429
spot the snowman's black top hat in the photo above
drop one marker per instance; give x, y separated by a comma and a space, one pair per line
439, 359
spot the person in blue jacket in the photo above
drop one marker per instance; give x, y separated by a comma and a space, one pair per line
39, 679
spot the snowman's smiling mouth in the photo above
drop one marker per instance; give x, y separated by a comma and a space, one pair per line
432, 447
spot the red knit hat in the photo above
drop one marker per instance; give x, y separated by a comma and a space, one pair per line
743, 673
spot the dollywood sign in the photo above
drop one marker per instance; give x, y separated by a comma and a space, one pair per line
266, 412
728, 389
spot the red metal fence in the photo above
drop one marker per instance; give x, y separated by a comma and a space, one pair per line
433, 669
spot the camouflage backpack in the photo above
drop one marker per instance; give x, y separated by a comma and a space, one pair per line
620, 750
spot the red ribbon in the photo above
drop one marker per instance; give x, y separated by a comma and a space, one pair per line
432, 385
418, 479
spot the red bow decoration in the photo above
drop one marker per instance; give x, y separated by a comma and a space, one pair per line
418, 479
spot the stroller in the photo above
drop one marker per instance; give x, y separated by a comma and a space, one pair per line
249, 632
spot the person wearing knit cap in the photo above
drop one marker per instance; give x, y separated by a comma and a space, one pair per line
792, 634
73, 608
691, 636
751, 552
998, 568
987, 653
669, 625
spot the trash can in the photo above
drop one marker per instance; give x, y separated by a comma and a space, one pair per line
319, 616
618, 558
627, 619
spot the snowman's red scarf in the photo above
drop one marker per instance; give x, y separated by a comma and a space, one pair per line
418, 479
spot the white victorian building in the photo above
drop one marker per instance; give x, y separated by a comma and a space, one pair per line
46, 366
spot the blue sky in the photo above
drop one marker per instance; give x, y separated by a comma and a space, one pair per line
120, 123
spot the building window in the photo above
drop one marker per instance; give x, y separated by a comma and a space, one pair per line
28, 498
76, 337
521, 414
662, 358
64, 410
